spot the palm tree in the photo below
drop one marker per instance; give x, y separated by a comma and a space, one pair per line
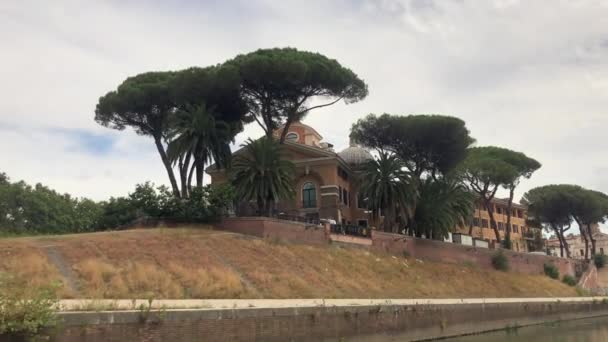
260, 174
443, 205
198, 137
388, 188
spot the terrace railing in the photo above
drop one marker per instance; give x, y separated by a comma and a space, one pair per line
349, 229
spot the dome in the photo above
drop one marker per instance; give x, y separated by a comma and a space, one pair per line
355, 155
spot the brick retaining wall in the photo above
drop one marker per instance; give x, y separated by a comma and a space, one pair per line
325, 323
456, 253
271, 228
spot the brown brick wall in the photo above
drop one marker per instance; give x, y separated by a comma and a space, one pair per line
456, 253
277, 229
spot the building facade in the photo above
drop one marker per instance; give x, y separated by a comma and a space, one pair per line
522, 236
576, 244
326, 186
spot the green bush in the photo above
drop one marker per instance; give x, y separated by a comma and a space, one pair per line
500, 261
569, 280
25, 310
551, 271
599, 260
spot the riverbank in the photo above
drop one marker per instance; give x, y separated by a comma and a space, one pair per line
189, 263
318, 319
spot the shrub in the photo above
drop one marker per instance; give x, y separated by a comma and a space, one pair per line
569, 280
551, 271
500, 261
25, 310
599, 260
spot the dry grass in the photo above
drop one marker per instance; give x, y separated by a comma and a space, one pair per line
30, 263
188, 263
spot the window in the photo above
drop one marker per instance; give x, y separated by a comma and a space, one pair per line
342, 174
501, 226
361, 201
362, 223
340, 193
515, 229
498, 210
345, 197
309, 195
520, 214
292, 136
484, 223
582, 253
601, 251
476, 221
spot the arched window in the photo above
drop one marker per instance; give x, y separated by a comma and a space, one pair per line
292, 136
309, 195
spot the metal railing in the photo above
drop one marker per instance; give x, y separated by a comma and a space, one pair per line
295, 218
349, 229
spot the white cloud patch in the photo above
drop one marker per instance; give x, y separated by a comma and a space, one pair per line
526, 75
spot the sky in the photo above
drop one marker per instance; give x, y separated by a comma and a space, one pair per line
531, 76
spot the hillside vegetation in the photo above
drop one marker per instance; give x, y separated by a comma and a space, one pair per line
201, 263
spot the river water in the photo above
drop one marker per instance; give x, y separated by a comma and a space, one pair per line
584, 330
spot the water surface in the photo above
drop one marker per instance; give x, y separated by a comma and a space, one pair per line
584, 330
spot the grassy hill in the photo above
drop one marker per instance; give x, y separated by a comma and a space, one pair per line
199, 263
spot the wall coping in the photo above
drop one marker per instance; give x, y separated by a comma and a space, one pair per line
81, 305
269, 219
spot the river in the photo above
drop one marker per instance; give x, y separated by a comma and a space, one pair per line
584, 330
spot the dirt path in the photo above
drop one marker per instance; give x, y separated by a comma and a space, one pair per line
57, 260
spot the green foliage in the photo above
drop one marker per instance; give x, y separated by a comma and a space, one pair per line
551, 271
184, 106
387, 187
40, 210
569, 280
599, 260
278, 84
200, 137
442, 205
25, 309
259, 173
500, 261
426, 143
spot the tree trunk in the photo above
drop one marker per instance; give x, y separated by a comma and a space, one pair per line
184, 165
167, 163
592, 238
583, 231
509, 245
564, 244
200, 168
285, 128
493, 224
260, 206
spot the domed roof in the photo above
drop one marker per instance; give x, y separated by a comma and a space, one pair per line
355, 155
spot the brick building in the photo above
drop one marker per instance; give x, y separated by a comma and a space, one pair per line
522, 236
576, 244
326, 188
325, 180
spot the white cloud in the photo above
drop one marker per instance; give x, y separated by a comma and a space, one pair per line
527, 75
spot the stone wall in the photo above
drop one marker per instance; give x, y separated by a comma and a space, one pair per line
270, 228
324, 323
455, 253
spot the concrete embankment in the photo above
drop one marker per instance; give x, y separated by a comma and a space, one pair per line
311, 320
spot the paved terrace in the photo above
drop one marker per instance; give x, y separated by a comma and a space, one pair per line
67, 305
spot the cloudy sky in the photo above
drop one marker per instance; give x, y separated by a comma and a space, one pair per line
527, 75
